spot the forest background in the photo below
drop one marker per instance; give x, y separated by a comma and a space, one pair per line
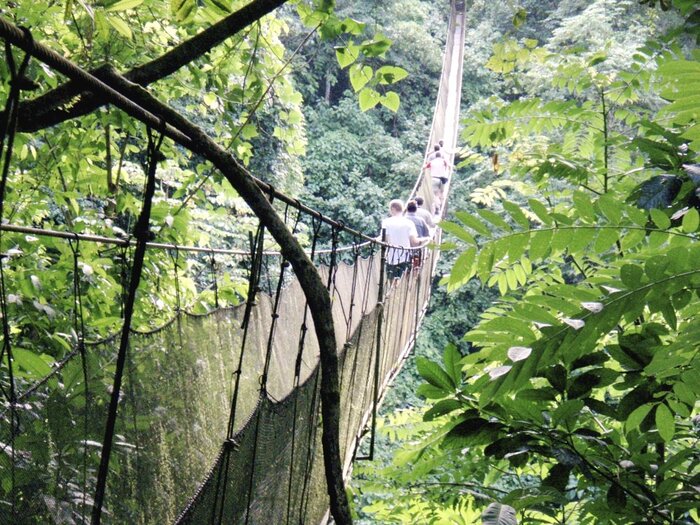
568, 131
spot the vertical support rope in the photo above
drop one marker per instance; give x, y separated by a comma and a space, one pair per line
8, 128
297, 373
142, 233
263, 382
273, 328
377, 355
79, 329
348, 342
256, 250
215, 281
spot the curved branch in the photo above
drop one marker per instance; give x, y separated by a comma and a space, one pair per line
60, 104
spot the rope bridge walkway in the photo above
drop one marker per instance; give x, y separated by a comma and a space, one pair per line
249, 414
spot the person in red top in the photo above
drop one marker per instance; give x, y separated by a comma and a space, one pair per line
439, 173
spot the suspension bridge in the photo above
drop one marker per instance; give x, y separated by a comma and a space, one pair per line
249, 414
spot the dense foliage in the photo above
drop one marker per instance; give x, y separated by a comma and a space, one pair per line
579, 401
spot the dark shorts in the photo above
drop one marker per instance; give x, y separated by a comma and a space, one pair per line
395, 271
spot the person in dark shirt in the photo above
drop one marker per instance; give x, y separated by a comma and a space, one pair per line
423, 213
421, 226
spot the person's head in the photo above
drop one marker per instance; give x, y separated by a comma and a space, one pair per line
419, 201
411, 207
438, 155
441, 143
436, 147
396, 207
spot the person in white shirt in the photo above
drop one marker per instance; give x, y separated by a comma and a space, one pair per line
400, 233
438, 172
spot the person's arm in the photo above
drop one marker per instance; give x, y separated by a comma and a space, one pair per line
416, 241
419, 242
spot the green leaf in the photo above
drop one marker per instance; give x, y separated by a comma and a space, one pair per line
541, 211
605, 240
610, 208
665, 422
347, 55
584, 206
123, 5
210, 99
660, 219
359, 76
519, 17
457, 231
691, 221
616, 497
368, 98
637, 416
451, 357
499, 514
684, 393
484, 263
431, 392
121, 27
516, 213
494, 219
472, 222
30, 362
540, 244
377, 46
219, 7
463, 268
568, 411
441, 408
390, 74
435, 375
631, 275
391, 101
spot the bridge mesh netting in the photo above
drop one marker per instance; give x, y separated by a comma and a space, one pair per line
219, 414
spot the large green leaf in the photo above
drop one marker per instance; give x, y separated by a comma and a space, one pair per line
123, 5
368, 98
435, 375
665, 422
472, 222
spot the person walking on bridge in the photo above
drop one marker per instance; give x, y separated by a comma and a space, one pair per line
438, 172
421, 228
402, 235
423, 213
419, 222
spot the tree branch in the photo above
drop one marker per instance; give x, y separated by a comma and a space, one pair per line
60, 104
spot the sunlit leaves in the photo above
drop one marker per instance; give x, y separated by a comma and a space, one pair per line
123, 5
391, 101
368, 82
368, 99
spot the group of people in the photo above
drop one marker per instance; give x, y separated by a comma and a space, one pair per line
409, 230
